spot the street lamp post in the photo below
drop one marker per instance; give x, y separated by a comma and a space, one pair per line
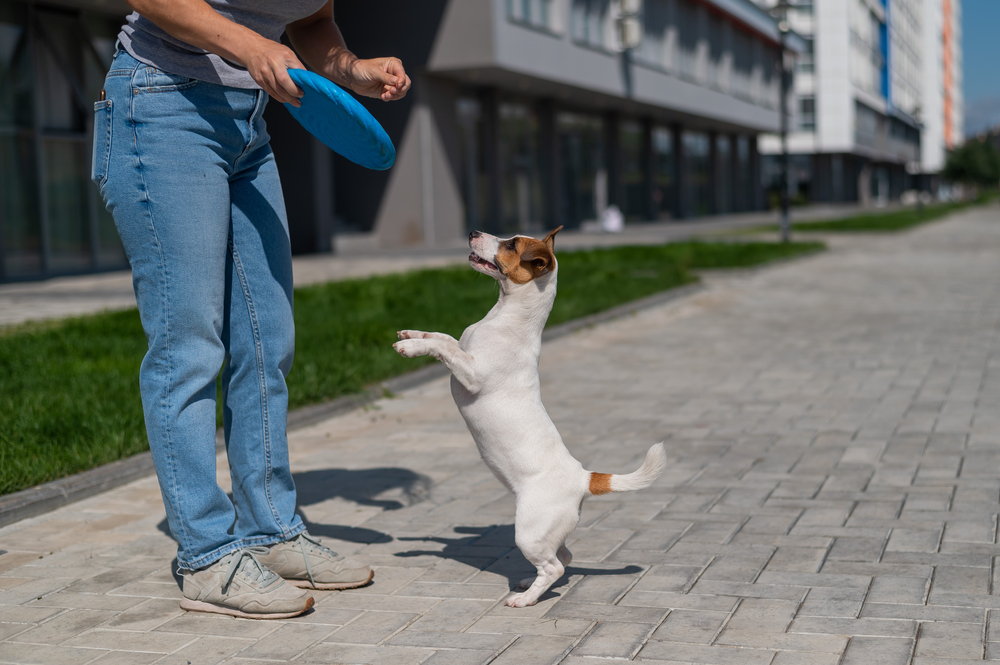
780, 12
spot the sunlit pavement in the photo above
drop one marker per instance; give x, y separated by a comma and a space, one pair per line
832, 496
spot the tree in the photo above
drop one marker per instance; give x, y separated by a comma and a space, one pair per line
974, 163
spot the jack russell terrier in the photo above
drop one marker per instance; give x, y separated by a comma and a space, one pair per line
495, 384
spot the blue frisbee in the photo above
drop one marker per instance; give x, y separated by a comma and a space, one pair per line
340, 122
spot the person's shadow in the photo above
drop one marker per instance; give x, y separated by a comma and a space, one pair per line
361, 486
492, 549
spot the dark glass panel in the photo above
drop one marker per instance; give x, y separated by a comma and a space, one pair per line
663, 171
631, 137
584, 175
696, 163
66, 183
521, 195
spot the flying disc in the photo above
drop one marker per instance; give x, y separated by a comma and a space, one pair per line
330, 114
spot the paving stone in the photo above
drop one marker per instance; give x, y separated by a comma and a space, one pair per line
689, 626
535, 649
460, 657
64, 626
893, 589
372, 627
611, 639
35, 654
286, 642
674, 652
208, 650
531, 626
950, 640
881, 650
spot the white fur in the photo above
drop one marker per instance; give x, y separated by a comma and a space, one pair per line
495, 385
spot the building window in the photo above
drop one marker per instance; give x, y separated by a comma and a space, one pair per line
537, 13
632, 140
521, 193
664, 176
807, 114
584, 175
58, 57
805, 63
589, 22
697, 158
723, 174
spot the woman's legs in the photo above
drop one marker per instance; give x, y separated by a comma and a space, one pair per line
177, 156
259, 336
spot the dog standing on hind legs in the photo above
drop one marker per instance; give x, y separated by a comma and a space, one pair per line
495, 384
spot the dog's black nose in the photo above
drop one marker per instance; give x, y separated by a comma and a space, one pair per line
474, 235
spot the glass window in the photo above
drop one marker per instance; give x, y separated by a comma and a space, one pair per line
584, 175
588, 21
807, 114
474, 176
62, 57
663, 172
744, 185
696, 163
532, 12
723, 174
632, 139
67, 185
521, 195
20, 222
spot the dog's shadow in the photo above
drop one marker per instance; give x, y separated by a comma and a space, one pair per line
389, 488
492, 549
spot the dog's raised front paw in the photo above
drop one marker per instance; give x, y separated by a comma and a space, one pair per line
411, 334
410, 348
519, 600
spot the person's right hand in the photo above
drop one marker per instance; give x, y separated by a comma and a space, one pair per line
268, 64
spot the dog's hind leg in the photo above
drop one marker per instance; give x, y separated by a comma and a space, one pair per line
565, 558
540, 529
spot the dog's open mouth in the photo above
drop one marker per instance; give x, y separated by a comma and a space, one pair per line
476, 260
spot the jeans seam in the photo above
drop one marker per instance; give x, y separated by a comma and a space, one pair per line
262, 380
171, 458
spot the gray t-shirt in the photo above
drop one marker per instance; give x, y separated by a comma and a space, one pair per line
147, 43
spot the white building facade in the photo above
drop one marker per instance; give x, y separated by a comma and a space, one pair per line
875, 98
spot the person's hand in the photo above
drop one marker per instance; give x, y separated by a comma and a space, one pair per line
383, 78
268, 64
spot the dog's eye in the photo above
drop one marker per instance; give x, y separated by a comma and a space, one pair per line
512, 245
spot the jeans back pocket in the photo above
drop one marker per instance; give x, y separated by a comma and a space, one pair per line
102, 141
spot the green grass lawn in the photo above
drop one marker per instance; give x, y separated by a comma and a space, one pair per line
883, 222
69, 395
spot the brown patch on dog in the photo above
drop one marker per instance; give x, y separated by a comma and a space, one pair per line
524, 259
600, 483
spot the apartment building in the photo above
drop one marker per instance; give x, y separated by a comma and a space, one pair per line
877, 86
524, 114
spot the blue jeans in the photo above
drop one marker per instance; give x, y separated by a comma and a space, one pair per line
186, 170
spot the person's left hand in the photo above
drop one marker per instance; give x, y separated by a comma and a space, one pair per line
383, 78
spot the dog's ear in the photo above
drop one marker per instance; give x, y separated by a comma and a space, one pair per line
550, 238
539, 256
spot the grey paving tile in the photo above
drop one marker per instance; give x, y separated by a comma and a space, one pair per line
950, 640
881, 650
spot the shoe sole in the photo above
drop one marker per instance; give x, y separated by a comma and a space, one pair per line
201, 606
306, 584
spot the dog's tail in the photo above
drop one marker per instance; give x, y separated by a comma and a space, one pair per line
652, 467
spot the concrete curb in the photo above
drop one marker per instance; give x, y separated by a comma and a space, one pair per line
49, 496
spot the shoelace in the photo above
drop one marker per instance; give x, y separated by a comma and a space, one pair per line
253, 569
306, 544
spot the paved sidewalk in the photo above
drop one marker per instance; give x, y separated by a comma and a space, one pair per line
87, 294
832, 495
